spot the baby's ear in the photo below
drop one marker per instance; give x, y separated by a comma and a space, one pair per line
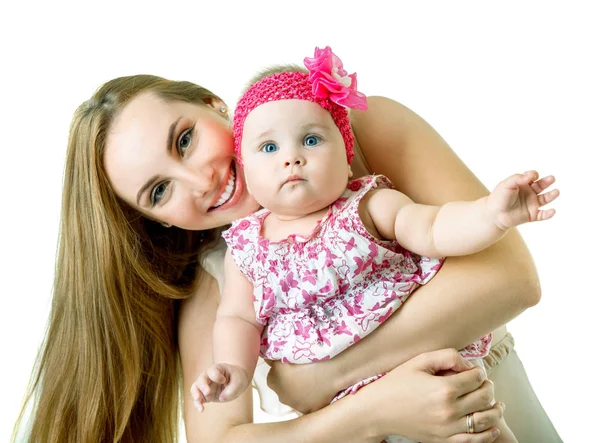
349, 171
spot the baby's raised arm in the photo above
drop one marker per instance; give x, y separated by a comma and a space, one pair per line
459, 227
236, 341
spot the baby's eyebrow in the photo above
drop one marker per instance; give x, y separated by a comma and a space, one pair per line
315, 126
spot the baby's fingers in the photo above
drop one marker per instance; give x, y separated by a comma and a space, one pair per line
526, 177
544, 199
198, 397
199, 405
195, 389
545, 214
548, 197
217, 374
542, 183
233, 390
202, 388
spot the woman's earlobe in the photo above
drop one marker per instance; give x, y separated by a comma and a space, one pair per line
349, 171
224, 112
217, 104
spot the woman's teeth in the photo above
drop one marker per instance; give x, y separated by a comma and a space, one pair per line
228, 190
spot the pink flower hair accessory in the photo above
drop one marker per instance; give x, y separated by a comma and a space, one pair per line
326, 84
330, 80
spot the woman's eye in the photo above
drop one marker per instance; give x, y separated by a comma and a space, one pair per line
158, 193
185, 140
312, 140
269, 147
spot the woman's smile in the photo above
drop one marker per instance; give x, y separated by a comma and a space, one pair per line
227, 191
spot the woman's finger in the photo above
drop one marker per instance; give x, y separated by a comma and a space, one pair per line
484, 420
482, 437
442, 360
477, 399
467, 382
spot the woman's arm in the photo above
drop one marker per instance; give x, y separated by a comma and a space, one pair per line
408, 401
470, 296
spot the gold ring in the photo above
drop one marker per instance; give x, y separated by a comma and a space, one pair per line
470, 424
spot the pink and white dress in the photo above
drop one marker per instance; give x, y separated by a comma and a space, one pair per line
318, 295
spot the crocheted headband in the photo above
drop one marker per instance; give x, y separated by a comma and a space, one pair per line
326, 84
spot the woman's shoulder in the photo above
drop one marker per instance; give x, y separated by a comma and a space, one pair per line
385, 121
202, 303
212, 261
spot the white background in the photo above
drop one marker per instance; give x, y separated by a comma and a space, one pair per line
510, 85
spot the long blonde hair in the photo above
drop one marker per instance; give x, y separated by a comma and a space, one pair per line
108, 368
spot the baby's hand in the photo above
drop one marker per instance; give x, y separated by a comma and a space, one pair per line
220, 383
518, 200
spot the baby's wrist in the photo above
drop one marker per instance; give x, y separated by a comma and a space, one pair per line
493, 218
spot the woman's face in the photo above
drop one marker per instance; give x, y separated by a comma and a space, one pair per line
175, 163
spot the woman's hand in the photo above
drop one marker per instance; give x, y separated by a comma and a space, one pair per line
425, 399
428, 398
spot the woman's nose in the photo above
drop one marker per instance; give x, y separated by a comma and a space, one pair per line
200, 183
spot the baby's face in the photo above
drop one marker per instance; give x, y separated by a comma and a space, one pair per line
294, 157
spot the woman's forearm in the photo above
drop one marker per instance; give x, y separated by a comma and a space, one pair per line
470, 297
342, 421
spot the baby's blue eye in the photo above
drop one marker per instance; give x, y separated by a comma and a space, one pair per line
269, 147
312, 140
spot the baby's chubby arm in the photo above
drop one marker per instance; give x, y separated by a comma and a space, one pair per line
236, 342
459, 227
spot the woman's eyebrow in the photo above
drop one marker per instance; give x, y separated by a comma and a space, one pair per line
171, 135
144, 187
169, 145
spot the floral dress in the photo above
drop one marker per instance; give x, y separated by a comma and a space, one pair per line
318, 295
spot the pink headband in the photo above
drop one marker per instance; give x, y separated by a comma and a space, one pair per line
326, 84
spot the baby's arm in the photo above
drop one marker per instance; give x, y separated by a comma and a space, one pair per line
460, 227
236, 342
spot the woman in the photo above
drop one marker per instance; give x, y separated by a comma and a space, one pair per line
145, 195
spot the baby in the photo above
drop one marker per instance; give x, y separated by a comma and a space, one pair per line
326, 261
